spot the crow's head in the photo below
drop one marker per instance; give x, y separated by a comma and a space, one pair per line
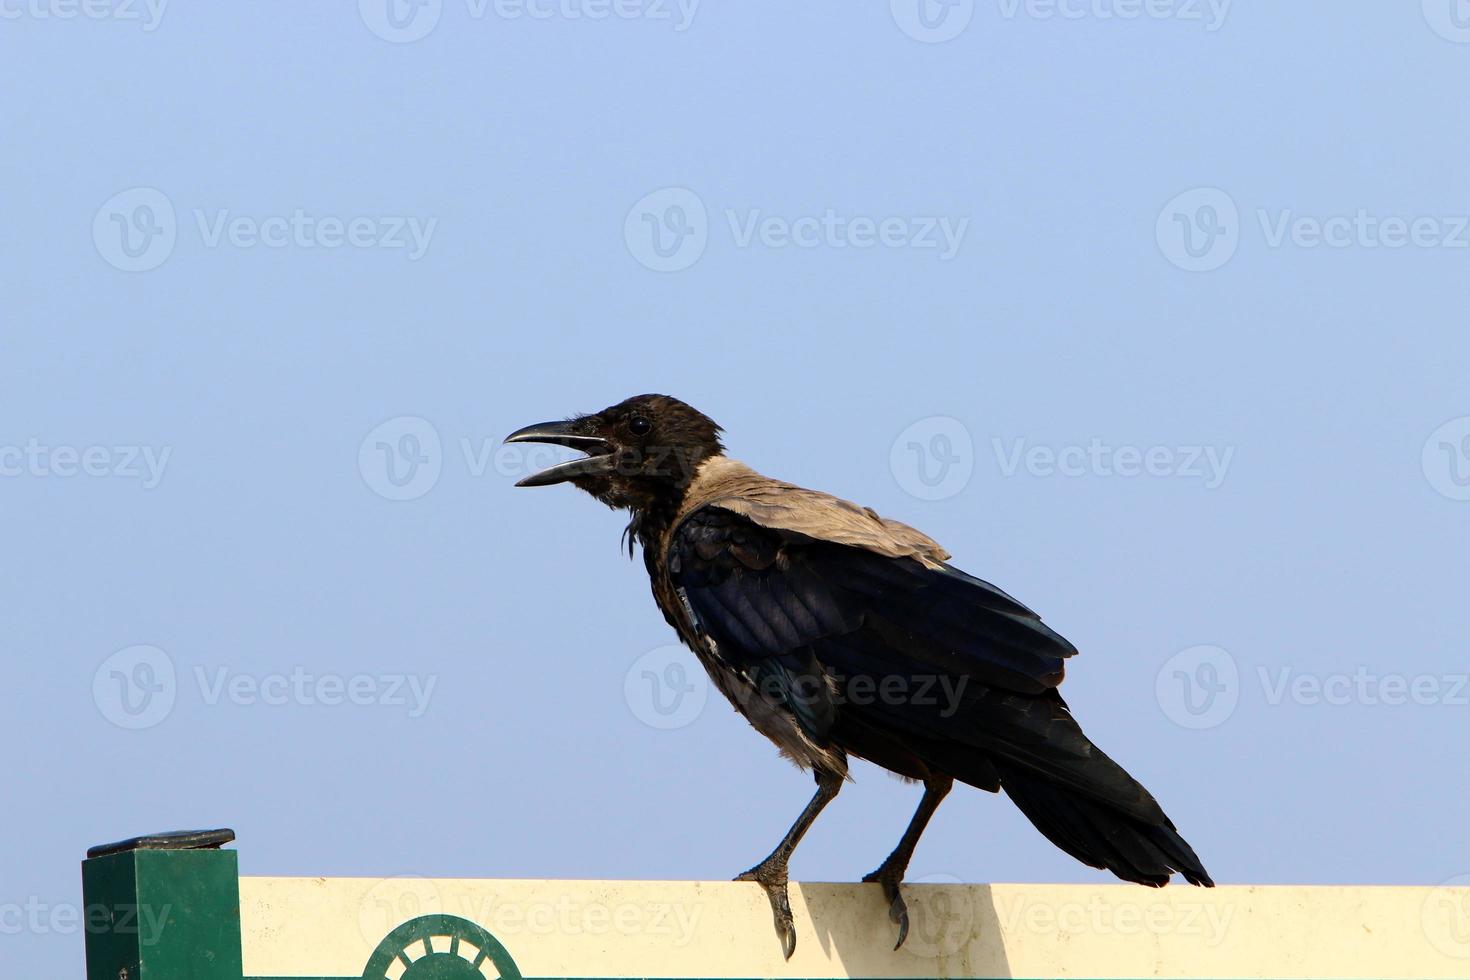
641, 453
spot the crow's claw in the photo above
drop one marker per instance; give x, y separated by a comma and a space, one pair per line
898, 910
773, 879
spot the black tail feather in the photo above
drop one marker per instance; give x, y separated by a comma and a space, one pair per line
1098, 835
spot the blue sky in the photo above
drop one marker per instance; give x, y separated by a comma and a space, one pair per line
1155, 315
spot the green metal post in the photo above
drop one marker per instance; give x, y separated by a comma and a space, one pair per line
163, 908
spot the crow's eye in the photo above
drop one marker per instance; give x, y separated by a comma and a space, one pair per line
639, 426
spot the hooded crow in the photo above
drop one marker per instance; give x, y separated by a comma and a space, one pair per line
837, 633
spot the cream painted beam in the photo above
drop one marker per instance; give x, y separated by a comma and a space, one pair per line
330, 927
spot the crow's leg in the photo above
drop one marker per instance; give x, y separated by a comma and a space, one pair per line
891, 871
771, 873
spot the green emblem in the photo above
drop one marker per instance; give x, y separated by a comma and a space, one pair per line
441, 947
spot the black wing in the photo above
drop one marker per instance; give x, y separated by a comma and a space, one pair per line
769, 591
782, 606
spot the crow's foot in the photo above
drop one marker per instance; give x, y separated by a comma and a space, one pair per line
771, 875
898, 911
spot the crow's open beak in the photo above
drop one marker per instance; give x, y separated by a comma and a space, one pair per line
600, 456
